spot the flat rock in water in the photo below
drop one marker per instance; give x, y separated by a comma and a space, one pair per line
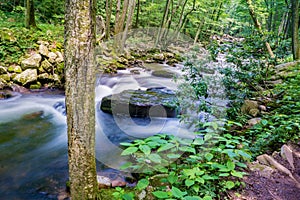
154, 102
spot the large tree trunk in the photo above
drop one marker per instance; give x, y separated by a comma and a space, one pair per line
258, 26
80, 96
30, 19
295, 29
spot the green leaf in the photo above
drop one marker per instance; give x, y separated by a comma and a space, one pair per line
128, 196
243, 154
189, 182
177, 192
126, 165
229, 184
237, 174
230, 165
165, 147
155, 158
208, 156
145, 149
187, 149
198, 141
172, 178
173, 156
200, 180
207, 198
126, 144
129, 150
142, 184
191, 198
264, 122
224, 174
160, 194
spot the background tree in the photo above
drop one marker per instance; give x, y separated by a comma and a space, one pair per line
30, 18
295, 29
80, 96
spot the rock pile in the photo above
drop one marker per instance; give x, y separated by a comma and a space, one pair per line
44, 68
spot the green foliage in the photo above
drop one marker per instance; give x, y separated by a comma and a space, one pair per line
282, 125
201, 167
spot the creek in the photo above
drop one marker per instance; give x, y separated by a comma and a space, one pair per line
33, 134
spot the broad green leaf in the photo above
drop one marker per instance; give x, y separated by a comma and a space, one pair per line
208, 156
198, 141
237, 174
127, 196
196, 188
177, 192
165, 147
191, 198
129, 150
200, 180
155, 158
173, 156
142, 184
229, 184
126, 165
243, 154
230, 165
160, 194
145, 149
187, 149
189, 182
172, 178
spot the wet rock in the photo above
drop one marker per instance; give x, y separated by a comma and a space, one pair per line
43, 50
60, 107
26, 77
47, 66
60, 57
35, 86
5, 77
5, 94
163, 74
159, 57
52, 56
3, 70
2, 83
103, 182
33, 115
118, 183
253, 121
31, 62
155, 102
15, 69
250, 107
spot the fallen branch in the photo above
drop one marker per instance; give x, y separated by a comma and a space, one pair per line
281, 67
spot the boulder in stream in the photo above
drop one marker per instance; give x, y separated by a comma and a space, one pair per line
154, 102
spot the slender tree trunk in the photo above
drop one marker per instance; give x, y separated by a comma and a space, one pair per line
198, 32
108, 9
80, 96
295, 29
121, 20
30, 19
258, 26
163, 22
117, 17
137, 14
130, 12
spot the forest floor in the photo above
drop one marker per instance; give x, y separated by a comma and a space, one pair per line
270, 183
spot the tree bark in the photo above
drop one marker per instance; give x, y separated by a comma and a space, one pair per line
108, 9
258, 27
295, 29
30, 18
137, 14
130, 12
80, 96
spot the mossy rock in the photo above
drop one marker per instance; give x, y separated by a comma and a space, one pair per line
35, 86
163, 74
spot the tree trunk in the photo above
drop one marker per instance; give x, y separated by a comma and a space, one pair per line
30, 19
163, 23
108, 9
80, 96
295, 29
258, 27
130, 12
137, 14
121, 20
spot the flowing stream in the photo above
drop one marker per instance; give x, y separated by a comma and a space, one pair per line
33, 136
